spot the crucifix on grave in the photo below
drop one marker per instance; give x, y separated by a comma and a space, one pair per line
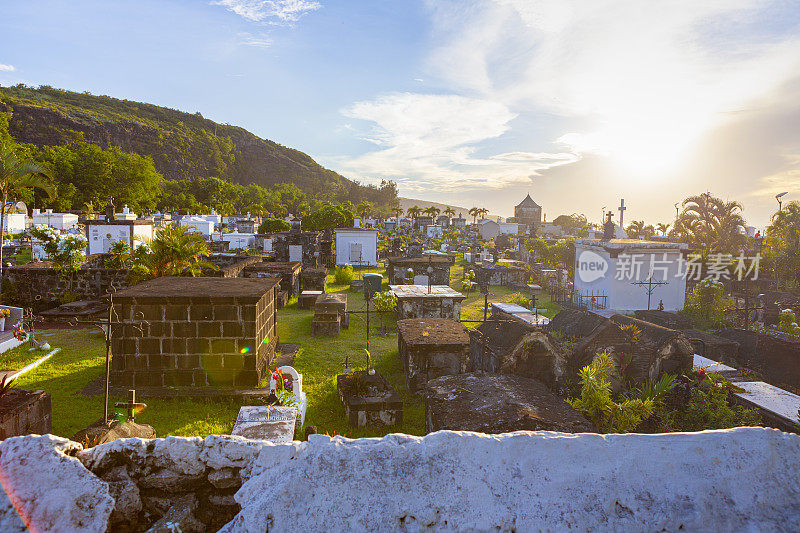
108, 326
651, 286
621, 210
131, 407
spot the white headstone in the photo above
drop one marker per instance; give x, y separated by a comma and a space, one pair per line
266, 422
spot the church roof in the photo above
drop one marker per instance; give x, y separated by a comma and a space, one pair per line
528, 202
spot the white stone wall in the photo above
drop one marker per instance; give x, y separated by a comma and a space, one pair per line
743, 479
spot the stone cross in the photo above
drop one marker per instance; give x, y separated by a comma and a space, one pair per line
621, 210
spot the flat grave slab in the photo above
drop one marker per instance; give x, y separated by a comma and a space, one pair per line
421, 291
307, 299
266, 422
421, 301
772, 401
517, 312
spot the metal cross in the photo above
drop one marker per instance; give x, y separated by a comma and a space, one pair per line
651, 286
108, 326
131, 406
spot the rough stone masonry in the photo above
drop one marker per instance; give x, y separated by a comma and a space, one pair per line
726, 480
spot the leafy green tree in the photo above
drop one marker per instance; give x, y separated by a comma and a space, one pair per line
328, 217
95, 174
560, 255
573, 224
16, 176
274, 225
782, 248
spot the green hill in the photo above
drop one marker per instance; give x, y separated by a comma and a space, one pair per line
181, 145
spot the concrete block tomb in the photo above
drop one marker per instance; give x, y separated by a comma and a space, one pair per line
23, 412
330, 315
430, 348
194, 332
314, 279
287, 272
434, 269
742, 479
417, 301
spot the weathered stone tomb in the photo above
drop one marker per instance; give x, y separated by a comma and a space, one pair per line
430, 348
194, 332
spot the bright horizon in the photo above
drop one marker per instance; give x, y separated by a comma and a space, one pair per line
469, 102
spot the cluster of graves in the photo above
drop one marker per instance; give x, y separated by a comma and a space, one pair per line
197, 336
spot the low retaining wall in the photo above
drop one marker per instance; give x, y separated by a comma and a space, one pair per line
737, 479
44, 287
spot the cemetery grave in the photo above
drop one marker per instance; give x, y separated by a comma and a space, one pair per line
430, 348
492, 403
423, 301
81, 362
330, 315
196, 332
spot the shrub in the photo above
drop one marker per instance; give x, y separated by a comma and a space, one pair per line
384, 301
520, 299
702, 403
788, 323
274, 225
597, 405
343, 275
707, 306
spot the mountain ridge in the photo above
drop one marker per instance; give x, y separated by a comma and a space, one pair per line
182, 145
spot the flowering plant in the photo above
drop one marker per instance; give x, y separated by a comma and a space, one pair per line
20, 334
67, 252
284, 390
5, 313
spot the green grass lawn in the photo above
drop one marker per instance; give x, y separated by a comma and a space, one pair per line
320, 359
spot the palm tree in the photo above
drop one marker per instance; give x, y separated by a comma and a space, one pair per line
15, 176
482, 212
699, 213
730, 228
398, 212
712, 223
635, 229
363, 209
88, 210
432, 211
175, 251
414, 211
783, 243
474, 212
662, 228
450, 212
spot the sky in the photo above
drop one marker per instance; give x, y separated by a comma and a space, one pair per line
468, 102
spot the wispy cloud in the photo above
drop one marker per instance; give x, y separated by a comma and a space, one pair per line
258, 41
270, 11
633, 90
429, 142
7, 68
